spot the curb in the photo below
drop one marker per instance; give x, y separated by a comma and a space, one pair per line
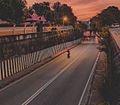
25, 72
84, 99
95, 88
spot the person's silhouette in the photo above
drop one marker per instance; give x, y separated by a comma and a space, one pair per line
68, 53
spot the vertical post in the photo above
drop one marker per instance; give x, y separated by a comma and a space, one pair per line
25, 29
1, 71
14, 29
11, 66
33, 28
63, 22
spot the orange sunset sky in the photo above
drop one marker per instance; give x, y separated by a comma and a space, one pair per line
84, 9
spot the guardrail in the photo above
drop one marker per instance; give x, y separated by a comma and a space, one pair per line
115, 48
113, 55
22, 51
115, 32
6, 31
14, 65
16, 30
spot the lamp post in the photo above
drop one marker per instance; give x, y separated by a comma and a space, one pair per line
65, 18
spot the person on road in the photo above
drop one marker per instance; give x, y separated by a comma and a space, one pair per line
68, 53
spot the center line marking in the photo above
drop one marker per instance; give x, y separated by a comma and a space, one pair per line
49, 82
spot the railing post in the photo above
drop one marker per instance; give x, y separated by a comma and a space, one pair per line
25, 29
14, 29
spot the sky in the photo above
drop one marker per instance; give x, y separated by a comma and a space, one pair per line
84, 9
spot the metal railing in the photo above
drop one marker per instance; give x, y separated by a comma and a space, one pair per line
17, 54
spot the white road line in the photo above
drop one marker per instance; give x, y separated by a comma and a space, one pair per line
27, 75
93, 69
48, 83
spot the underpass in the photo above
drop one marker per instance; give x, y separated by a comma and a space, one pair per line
59, 82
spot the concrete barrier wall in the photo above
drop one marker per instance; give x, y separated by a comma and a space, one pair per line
14, 65
115, 48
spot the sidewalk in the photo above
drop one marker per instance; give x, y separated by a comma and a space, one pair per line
101, 70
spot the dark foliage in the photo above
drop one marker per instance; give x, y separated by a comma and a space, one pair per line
12, 10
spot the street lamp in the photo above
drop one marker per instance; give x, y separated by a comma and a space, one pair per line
65, 18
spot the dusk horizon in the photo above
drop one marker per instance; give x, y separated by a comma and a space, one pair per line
59, 52
83, 9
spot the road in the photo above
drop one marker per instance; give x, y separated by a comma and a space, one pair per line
59, 82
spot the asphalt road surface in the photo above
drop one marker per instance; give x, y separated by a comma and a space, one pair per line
59, 82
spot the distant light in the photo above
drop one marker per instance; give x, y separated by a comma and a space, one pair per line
65, 18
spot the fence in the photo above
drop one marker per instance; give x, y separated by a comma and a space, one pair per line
16, 30
114, 46
17, 54
113, 79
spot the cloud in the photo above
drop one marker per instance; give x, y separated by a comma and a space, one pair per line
84, 9
84, 1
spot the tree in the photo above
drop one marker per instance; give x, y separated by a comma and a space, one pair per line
96, 23
56, 15
61, 10
107, 17
57, 12
43, 9
83, 26
67, 10
110, 15
13, 10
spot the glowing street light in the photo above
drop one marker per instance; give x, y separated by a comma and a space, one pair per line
65, 18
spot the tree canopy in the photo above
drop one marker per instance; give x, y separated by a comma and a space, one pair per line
56, 13
61, 10
107, 17
16, 11
12, 10
43, 9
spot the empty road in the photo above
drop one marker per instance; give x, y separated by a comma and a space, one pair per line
59, 82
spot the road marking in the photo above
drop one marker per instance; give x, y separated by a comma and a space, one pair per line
48, 83
93, 69
41, 67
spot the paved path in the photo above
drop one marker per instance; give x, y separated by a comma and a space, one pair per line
59, 82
